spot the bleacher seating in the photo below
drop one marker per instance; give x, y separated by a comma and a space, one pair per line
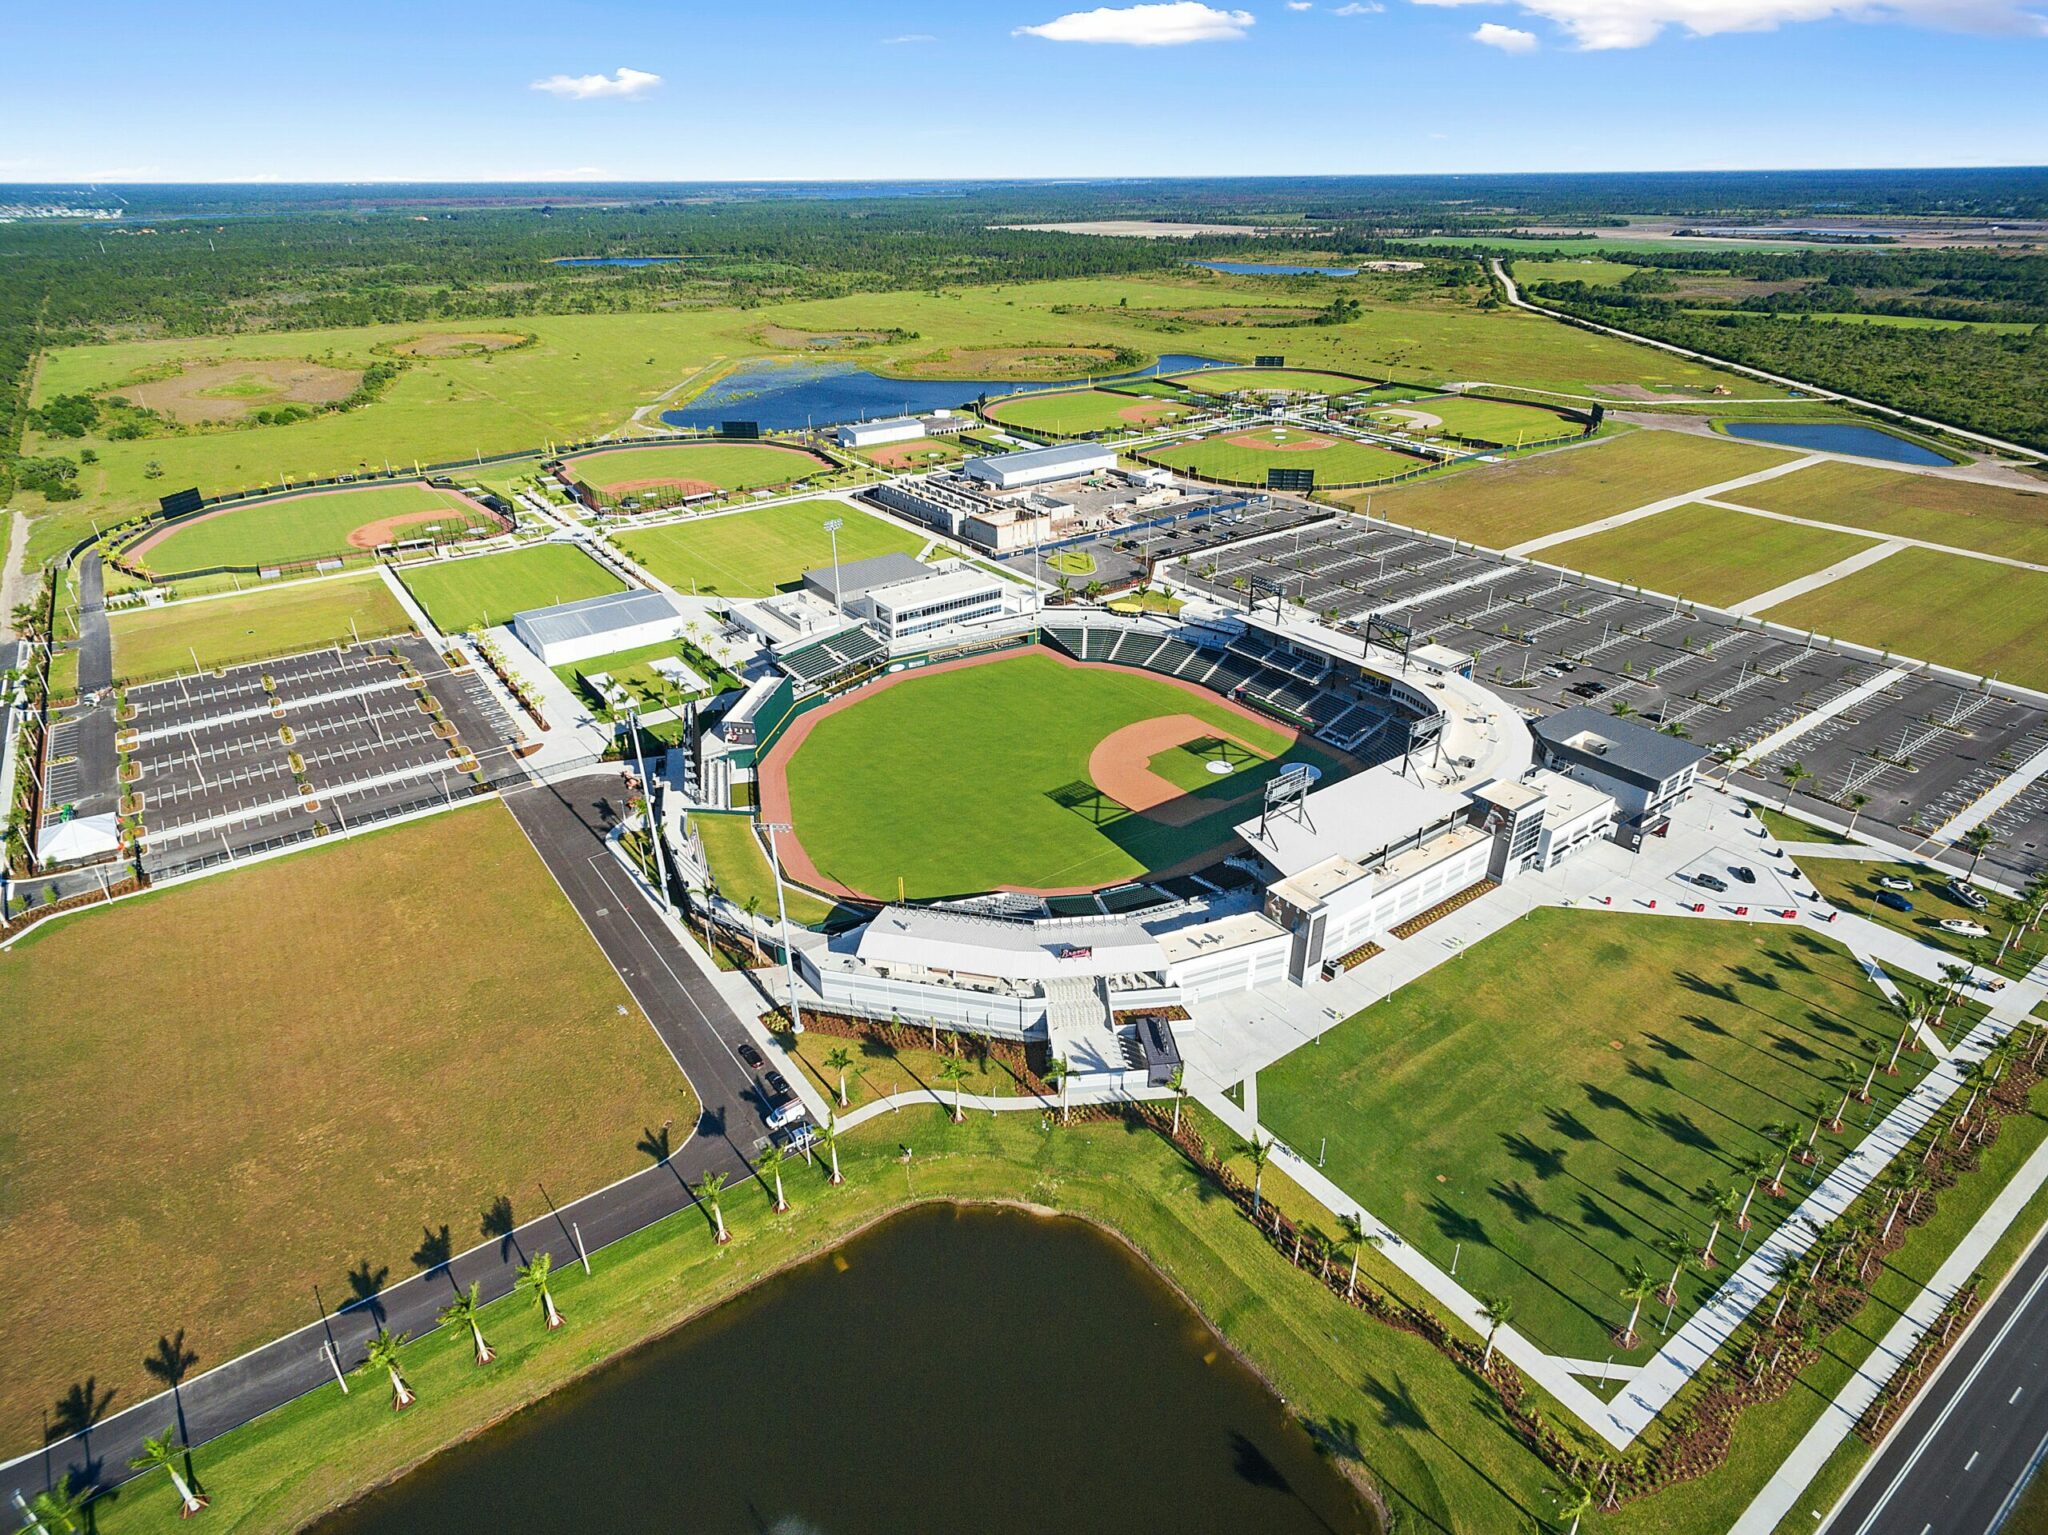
814, 665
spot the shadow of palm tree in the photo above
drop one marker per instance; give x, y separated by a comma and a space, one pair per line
498, 1221
1546, 1162
75, 1414
1397, 1405
170, 1362
366, 1283
435, 1250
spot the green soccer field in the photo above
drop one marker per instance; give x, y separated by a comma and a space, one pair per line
1243, 457
710, 465
750, 554
488, 589
226, 631
1070, 413
886, 789
312, 525
1547, 1105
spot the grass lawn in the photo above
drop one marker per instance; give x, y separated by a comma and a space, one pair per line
1071, 562
753, 553
223, 631
1989, 518
1146, 601
1501, 505
1071, 413
869, 811
1590, 270
1292, 380
1495, 420
1707, 553
742, 871
1851, 884
881, 1072
1245, 456
1553, 1099
713, 465
1947, 608
313, 524
488, 589
633, 670
1790, 828
340, 1058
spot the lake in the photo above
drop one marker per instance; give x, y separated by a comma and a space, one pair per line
785, 396
951, 1369
1277, 269
1837, 437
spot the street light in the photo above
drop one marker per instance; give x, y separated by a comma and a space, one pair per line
832, 526
796, 1020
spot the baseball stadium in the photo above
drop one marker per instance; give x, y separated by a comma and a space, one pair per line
664, 474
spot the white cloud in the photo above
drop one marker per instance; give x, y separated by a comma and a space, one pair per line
1144, 26
1301, 5
1361, 8
1506, 39
621, 83
908, 37
1633, 23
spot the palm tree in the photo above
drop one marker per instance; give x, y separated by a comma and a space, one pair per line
56, 1510
1720, 1204
1056, 1073
536, 1275
467, 1311
1979, 839
1575, 1500
1679, 1251
164, 1450
1856, 802
1261, 1152
1795, 775
769, 1165
1752, 1166
829, 1139
753, 911
1637, 1288
1179, 1083
1357, 1238
838, 1060
1498, 1310
708, 1190
950, 1070
383, 1356
1623, 709
1785, 1136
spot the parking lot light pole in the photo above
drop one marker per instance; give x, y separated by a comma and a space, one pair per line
796, 1018
832, 527
647, 795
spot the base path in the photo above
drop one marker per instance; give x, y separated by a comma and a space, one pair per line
1120, 766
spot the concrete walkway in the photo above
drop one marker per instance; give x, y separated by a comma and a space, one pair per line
1992, 800
1669, 503
1863, 559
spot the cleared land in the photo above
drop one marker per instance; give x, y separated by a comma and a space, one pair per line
223, 631
1554, 1099
880, 790
750, 554
311, 525
1948, 608
1072, 413
1706, 553
1244, 457
489, 588
1500, 505
229, 391
1988, 518
1282, 380
275, 1078
694, 466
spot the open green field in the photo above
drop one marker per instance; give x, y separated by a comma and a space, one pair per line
1501, 505
1245, 456
741, 868
1270, 380
697, 466
340, 1058
313, 524
1073, 413
754, 553
875, 794
223, 631
488, 589
1974, 615
1482, 420
1553, 1099
1590, 270
1707, 553
1991, 519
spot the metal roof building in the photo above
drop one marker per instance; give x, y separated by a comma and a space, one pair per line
1646, 770
867, 434
1036, 466
856, 578
597, 626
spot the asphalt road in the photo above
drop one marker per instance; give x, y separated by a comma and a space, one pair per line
564, 823
1964, 1454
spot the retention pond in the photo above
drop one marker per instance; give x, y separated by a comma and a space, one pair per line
1838, 437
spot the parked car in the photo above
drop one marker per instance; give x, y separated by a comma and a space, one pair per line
1893, 900
1969, 895
1711, 882
1743, 872
1894, 882
778, 1085
1963, 928
752, 1057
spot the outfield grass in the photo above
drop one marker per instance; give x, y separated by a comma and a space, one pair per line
1707, 553
754, 553
488, 589
1493, 420
269, 1078
314, 524
1072, 413
222, 631
1501, 505
1553, 1098
1948, 608
1989, 518
876, 793
722, 465
1245, 456
741, 869
1292, 380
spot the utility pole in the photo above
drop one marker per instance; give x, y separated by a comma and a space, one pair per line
796, 1021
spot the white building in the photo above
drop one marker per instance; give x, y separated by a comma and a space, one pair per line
871, 434
1039, 466
1646, 771
903, 598
598, 626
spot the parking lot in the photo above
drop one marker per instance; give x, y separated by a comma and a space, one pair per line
271, 753
1124, 555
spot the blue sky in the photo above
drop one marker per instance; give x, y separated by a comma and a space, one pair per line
799, 89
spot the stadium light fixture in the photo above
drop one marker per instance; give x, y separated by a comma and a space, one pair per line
796, 1017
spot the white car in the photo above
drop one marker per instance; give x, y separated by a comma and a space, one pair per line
1894, 882
1963, 929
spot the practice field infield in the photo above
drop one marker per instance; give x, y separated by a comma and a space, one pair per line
1026, 771
226, 631
1271, 380
1244, 457
311, 525
1500, 505
1707, 553
266, 1080
750, 554
693, 468
488, 589
1549, 1104
1993, 519
1071, 413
